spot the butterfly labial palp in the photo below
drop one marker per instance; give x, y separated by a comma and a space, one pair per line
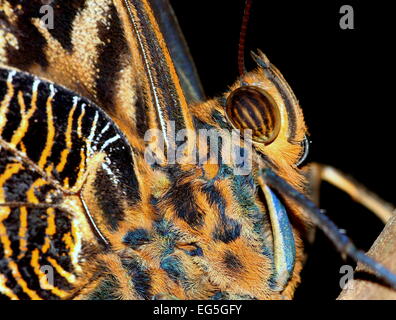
78, 196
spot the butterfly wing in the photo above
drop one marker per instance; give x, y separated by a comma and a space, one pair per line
72, 52
59, 153
62, 155
92, 48
179, 50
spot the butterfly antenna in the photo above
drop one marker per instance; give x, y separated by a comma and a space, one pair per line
242, 38
340, 240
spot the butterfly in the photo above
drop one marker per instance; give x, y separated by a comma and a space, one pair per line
119, 180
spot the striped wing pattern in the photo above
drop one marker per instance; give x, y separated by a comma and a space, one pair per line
51, 140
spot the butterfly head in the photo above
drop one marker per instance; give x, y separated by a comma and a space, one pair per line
262, 104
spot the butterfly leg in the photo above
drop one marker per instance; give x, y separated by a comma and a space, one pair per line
321, 172
361, 288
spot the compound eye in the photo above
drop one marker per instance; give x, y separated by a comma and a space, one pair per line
252, 108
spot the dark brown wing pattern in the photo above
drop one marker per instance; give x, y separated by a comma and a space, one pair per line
93, 50
55, 149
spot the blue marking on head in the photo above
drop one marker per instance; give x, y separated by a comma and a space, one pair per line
196, 252
166, 229
170, 236
136, 238
161, 227
173, 267
219, 296
225, 171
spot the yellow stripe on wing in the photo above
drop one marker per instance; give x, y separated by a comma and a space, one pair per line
6, 101
68, 139
25, 116
50, 129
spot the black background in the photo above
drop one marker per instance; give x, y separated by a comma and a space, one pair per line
343, 80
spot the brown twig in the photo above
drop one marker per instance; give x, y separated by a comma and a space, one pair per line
383, 251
